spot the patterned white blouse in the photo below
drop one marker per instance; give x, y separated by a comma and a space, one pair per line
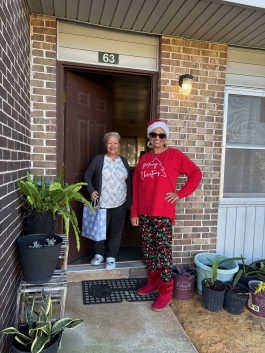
114, 189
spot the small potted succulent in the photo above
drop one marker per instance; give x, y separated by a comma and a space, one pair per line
184, 279
40, 333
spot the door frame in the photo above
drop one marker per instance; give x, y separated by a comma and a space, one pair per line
62, 67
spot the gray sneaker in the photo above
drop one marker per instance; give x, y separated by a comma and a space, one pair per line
110, 263
97, 260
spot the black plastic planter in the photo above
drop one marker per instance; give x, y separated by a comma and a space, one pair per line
213, 299
260, 276
235, 299
38, 222
50, 348
38, 264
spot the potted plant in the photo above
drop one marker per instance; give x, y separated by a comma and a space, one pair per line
236, 297
183, 278
256, 301
213, 290
249, 272
260, 266
50, 198
40, 333
38, 256
225, 272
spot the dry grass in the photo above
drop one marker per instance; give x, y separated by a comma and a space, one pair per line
220, 332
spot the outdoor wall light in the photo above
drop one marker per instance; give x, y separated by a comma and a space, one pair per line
185, 82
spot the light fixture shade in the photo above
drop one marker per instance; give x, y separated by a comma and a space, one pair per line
185, 82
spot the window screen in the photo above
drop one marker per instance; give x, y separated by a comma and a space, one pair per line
245, 147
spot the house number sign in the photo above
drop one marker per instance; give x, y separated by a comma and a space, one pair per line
108, 58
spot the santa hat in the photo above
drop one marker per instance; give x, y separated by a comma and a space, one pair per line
157, 123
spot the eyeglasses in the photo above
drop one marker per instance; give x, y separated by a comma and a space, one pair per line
161, 136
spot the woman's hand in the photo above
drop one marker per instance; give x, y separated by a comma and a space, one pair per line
171, 197
94, 196
135, 221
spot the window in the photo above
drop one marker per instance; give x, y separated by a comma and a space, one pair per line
244, 168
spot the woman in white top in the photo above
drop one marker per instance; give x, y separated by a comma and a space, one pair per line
109, 180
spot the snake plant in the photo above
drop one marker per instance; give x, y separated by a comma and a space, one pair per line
41, 330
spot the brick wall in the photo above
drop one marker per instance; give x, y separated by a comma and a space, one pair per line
43, 95
196, 125
14, 147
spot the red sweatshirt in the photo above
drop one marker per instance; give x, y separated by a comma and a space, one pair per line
156, 175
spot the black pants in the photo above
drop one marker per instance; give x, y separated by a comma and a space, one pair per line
115, 223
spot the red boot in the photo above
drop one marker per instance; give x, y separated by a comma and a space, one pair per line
153, 281
164, 296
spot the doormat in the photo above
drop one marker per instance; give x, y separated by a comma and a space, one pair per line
114, 291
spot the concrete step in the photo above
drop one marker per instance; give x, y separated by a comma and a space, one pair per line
133, 269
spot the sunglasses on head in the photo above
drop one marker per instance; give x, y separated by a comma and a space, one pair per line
161, 136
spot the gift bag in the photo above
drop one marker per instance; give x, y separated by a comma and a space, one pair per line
94, 225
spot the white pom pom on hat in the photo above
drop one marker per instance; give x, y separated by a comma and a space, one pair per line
157, 123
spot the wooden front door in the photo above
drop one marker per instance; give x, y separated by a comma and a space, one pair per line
88, 115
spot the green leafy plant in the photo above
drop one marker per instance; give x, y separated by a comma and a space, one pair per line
54, 197
215, 265
41, 329
249, 270
260, 265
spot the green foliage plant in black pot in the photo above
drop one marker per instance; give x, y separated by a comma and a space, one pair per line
249, 272
213, 290
236, 297
40, 333
184, 279
260, 266
226, 269
52, 198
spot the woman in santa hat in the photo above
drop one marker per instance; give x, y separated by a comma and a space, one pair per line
154, 205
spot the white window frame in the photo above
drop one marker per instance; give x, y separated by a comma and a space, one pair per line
244, 92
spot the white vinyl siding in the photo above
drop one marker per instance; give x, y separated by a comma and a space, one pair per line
81, 44
241, 211
241, 229
245, 67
